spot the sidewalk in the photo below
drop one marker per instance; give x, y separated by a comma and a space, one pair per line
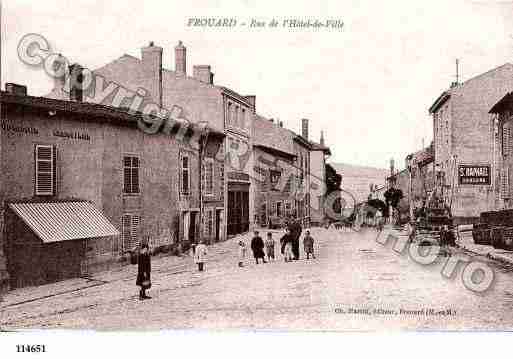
167, 264
467, 243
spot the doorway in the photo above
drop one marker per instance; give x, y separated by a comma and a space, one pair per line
192, 227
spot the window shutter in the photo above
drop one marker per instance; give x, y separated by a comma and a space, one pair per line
135, 231
509, 139
180, 175
506, 141
505, 183
126, 232
203, 177
135, 175
45, 170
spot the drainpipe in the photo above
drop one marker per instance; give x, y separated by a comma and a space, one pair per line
201, 153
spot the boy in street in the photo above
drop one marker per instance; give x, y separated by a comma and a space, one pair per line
308, 243
242, 253
269, 246
286, 246
257, 246
200, 255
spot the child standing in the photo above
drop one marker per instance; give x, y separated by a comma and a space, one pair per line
200, 255
269, 246
286, 246
308, 243
257, 246
242, 253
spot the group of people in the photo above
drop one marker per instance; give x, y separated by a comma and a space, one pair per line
261, 249
289, 246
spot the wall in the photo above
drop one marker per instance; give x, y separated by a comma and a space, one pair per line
303, 188
317, 186
264, 192
472, 136
92, 169
4, 275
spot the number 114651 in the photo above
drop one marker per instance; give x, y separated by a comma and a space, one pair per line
27, 348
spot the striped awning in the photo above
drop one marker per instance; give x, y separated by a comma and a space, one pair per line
63, 221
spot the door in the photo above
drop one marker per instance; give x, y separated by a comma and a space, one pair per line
192, 227
218, 224
263, 215
238, 209
186, 226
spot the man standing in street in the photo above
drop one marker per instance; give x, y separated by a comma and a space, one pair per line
257, 246
295, 232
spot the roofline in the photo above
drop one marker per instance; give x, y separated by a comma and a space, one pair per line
237, 96
300, 139
87, 108
439, 101
499, 106
275, 150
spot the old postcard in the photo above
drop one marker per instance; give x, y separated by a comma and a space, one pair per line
248, 165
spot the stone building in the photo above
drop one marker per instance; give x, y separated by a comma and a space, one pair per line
145, 85
275, 172
81, 185
316, 182
421, 166
463, 133
502, 167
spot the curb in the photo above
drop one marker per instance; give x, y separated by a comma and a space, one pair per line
494, 256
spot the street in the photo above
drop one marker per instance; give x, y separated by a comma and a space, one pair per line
355, 283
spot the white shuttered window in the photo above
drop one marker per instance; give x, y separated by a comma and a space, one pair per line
505, 183
45, 170
130, 231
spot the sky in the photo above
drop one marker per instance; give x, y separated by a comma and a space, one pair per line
368, 85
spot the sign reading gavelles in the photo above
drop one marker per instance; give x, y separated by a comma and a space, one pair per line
474, 175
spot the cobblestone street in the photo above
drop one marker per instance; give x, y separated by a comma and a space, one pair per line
353, 273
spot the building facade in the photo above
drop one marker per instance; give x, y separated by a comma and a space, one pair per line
58, 156
144, 85
502, 167
464, 140
275, 172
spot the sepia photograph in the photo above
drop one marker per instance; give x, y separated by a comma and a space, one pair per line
254, 167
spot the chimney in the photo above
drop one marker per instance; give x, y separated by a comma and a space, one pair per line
76, 92
203, 74
304, 128
252, 101
180, 59
152, 70
16, 89
59, 66
321, 141
392, 169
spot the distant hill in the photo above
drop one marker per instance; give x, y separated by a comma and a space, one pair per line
357, 179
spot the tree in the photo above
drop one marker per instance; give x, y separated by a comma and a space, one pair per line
333, 179
393, 196
333, 182
378, 204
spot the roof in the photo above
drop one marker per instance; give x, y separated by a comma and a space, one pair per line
274, 151
87, 108
268, 134
422, 157
439, 101
504, 103
447, 94
84, 108
64, 221
318, 147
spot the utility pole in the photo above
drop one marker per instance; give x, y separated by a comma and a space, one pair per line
4, 275
457, 71
203, 139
